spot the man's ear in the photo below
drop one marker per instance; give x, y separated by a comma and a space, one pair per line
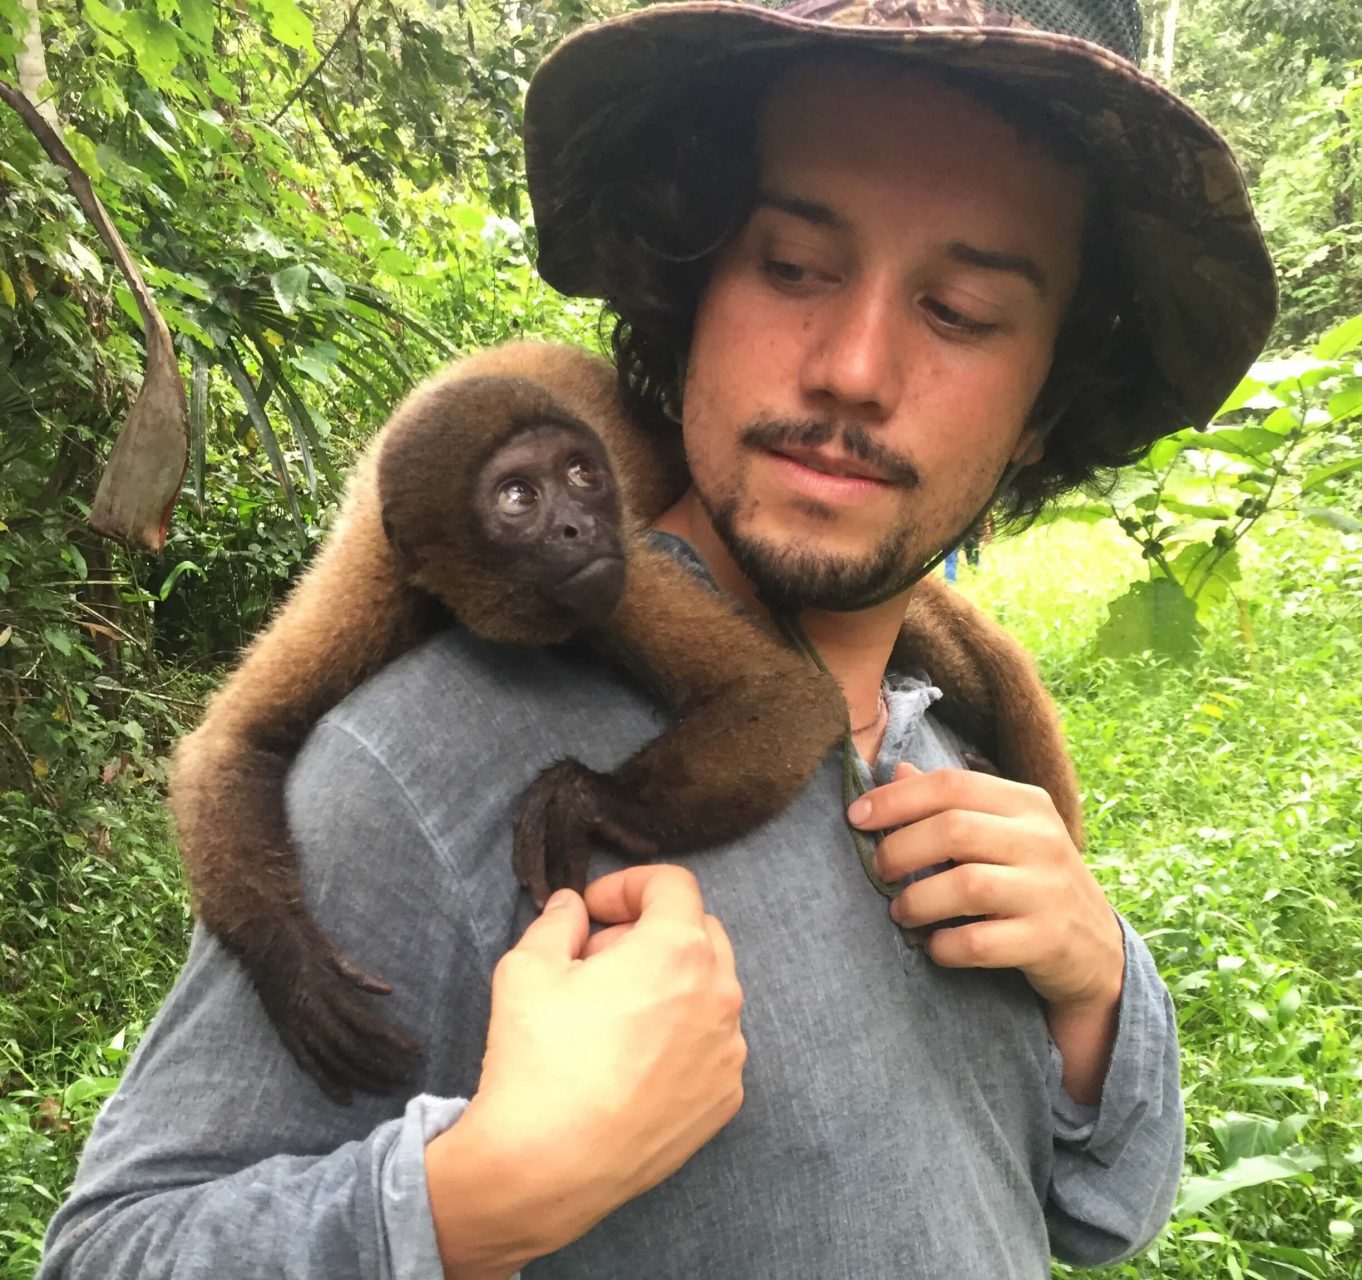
1029, 449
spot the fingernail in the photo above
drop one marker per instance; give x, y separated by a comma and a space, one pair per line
859, 811
559, 899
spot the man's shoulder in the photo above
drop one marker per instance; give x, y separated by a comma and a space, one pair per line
457, 701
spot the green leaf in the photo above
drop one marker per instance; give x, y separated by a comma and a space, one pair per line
1243, 442
58, 639
288, 23
87, 1089
1334, 519
1202, 510
1239, 1136
1199, 1192
291, 288
1341, 339
104, 17
1152, 617
319, 362
7, 292
185, 566
1321, 474
1346, 403
196, 20
155, 44
1248, 388
1166, 450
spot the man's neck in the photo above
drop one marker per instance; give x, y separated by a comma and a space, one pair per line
855, 646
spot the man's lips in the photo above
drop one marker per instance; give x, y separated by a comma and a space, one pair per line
830, 464
827, 477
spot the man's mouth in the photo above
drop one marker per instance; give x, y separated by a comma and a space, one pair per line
838, 466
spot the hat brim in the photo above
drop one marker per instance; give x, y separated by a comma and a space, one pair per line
1183, 220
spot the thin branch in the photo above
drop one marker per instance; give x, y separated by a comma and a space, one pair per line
313, 74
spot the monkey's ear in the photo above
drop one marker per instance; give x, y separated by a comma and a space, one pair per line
407, 556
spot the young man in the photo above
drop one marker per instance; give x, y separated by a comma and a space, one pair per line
879, 268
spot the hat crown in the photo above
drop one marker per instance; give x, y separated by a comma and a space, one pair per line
1115, 24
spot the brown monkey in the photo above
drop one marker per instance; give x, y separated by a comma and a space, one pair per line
487, 498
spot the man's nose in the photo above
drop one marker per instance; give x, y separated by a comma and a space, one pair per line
855, 361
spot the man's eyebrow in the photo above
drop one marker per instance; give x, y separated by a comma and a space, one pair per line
990, 260
820, 215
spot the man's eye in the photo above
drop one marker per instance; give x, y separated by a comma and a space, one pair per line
785, 272
953, 319
516, 497
582, 475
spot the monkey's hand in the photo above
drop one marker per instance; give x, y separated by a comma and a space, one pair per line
563, 810
317, 998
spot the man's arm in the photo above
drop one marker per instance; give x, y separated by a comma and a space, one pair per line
1117, 1164
1035, 906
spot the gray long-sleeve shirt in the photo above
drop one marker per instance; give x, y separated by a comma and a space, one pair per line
900, 1119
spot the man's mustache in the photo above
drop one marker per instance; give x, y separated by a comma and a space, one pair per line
813, 433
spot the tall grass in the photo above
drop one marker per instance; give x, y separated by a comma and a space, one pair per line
1224, 820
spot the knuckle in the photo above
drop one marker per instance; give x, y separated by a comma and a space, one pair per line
956, 825
730, 999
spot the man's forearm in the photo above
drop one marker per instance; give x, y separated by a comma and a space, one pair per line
1084, 1035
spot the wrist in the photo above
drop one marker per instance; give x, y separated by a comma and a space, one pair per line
495, 1201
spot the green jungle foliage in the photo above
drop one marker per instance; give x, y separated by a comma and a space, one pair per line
327, 199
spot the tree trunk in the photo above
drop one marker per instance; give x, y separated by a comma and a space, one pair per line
31, 64
1170, 28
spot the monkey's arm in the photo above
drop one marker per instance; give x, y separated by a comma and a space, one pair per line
753, 721
991, 693
349, 615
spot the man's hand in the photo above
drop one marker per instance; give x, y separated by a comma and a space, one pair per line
1044, 912
610, 1061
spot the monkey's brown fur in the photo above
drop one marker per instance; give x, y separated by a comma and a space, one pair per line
710, 777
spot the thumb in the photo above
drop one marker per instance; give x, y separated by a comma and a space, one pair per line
561, 930
905, 770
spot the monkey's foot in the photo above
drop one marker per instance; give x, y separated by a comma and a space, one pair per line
563, 811
318, 1000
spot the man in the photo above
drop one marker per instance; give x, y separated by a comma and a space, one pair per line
879, 272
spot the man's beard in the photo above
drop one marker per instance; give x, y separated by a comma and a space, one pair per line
800, 575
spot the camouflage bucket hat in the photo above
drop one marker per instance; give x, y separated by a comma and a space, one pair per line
1182, 223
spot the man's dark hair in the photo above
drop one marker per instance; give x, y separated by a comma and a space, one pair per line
664, 201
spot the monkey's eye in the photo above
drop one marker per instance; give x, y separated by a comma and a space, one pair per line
515, 498
582, 474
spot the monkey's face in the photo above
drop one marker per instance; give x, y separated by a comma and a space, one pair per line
547, 504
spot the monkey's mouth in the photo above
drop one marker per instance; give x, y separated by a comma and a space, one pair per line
591, 593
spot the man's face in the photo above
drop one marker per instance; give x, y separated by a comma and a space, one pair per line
868, 348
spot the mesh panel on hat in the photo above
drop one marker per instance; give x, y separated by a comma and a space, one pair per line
1114, 23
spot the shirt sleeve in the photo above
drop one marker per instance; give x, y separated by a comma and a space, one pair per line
217, 1156
1117, 1164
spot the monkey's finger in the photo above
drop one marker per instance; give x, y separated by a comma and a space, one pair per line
357, 1055
625, 838
981, 764
361, 978
302, 1054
